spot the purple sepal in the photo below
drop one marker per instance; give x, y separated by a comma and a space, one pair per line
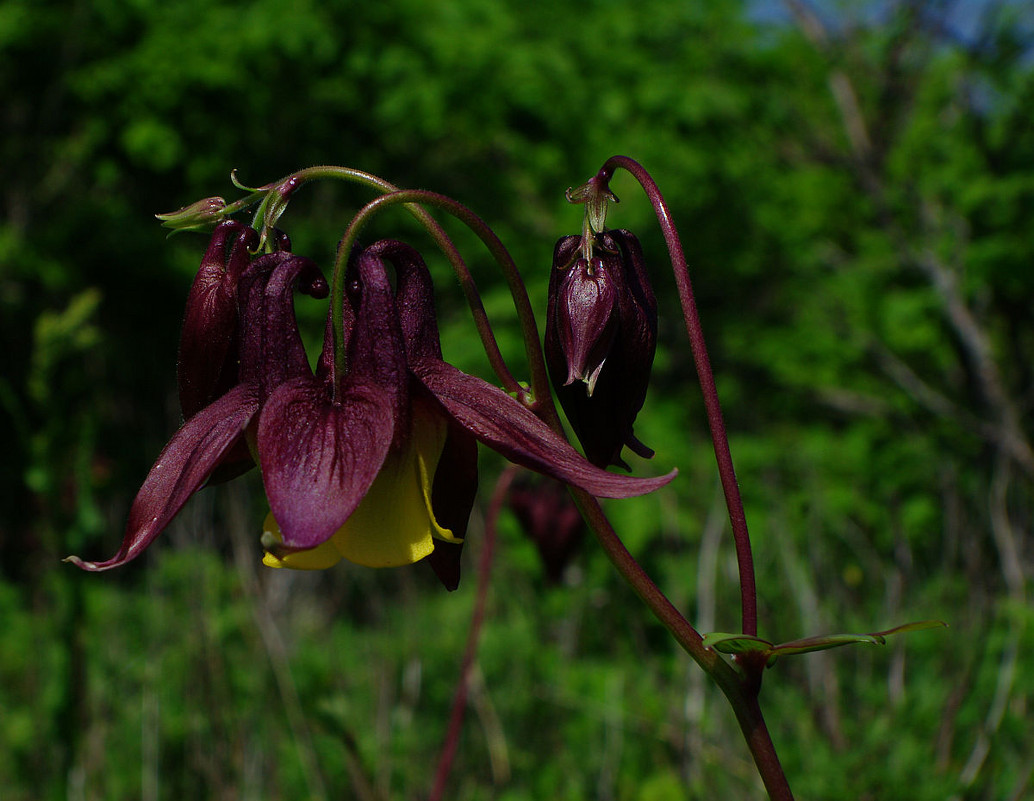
613, 345
320, 457
507, 427
207, 353
181, 470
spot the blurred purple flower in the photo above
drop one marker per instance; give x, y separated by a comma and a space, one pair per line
549, 518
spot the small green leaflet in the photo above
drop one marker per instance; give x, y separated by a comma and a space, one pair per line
744, 643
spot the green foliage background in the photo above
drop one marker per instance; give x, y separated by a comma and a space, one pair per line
856, 204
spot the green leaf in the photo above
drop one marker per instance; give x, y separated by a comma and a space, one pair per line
736, 643
824, 642
744, 643
827, 641
918, 625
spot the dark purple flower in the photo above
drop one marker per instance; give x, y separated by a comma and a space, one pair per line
601, 333
378, 464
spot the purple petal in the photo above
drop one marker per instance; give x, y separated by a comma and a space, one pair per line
181, 470
271, 347
207, 353
452, 497
283, 352
456, 480
586, 321
376, 350
414, 298
319, 457
321, 444
506, 426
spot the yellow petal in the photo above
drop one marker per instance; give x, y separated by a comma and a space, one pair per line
318, 558
395, 525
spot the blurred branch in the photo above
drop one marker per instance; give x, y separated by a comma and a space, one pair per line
839, 84
1012, 570
1003, 691
495, 737
276, 650
1005, 535
998, 420
695, 705
1023, 783
940, 405
822, 678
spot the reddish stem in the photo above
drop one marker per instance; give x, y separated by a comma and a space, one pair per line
719, 438
459, 703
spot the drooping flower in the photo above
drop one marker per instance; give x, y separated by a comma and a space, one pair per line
601, 334
550, 519
270, 352
379, 463
375, 462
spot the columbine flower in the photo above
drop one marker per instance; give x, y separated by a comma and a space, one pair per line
601, 332
376, 464
270, 352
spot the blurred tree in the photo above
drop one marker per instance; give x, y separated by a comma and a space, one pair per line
856, 197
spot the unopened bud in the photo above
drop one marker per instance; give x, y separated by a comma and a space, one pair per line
601, 331
203, 215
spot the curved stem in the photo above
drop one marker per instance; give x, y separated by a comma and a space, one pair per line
525, 313
741, 689
459, 704
243, 203
685, 635
719, 438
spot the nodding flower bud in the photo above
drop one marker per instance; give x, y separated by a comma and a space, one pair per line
587, 303
199, 216
601, 334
